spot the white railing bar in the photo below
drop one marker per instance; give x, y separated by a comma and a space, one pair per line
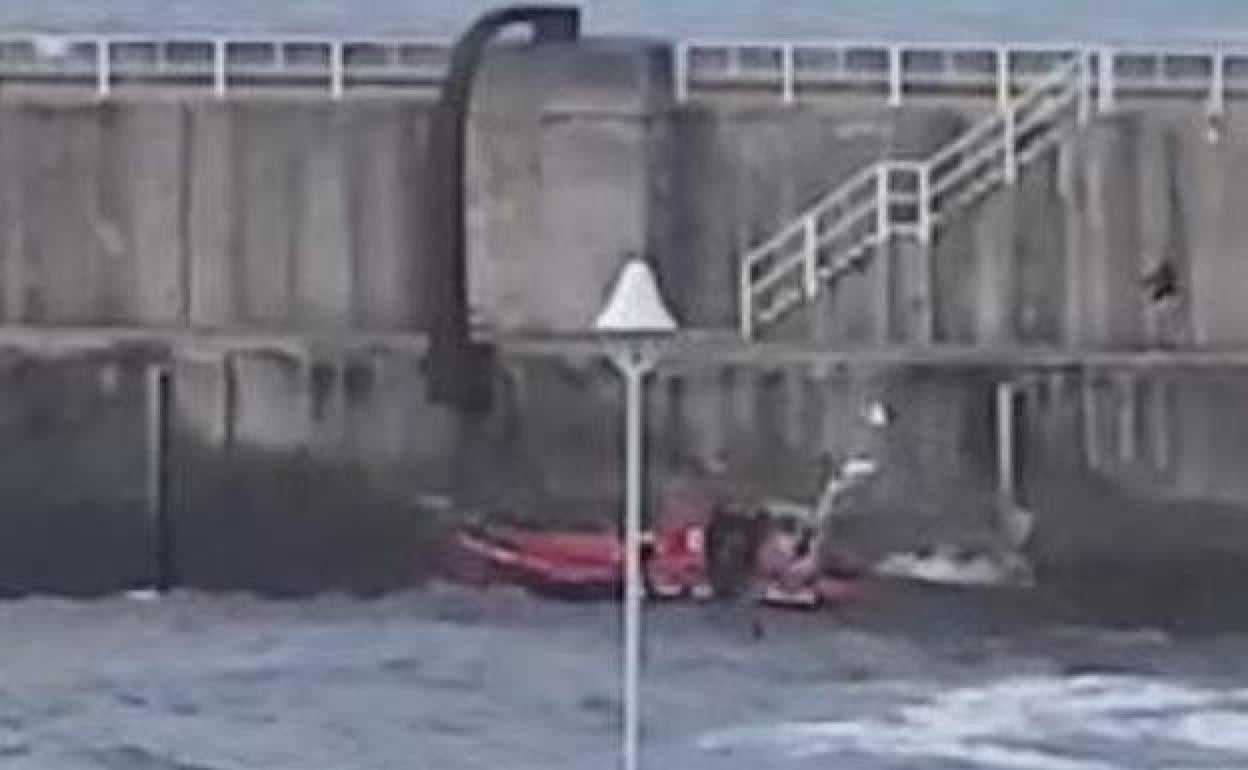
764, 250
973, 163
1105, 77
680, 71
1052, 107
220, 78
783, 303
810, 255
852, 217
1039, 146
1085, 87
1217, 86
103, 68
745, 302
1004, 85
881, 201
905, 166
778, 273
969, 47
337, 77
981, 130
895, 76
843, 193
788, 75
925, 205
1011, 145
986, 126
846, 259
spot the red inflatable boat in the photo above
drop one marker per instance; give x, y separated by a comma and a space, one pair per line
675, 565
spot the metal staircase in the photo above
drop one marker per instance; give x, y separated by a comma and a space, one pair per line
895, 199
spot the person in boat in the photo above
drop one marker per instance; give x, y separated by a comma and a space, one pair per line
706, 534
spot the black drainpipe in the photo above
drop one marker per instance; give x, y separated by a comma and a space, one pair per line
461, 370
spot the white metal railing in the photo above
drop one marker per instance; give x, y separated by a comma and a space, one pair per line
906, 198
701, 68
792, 70
222, 63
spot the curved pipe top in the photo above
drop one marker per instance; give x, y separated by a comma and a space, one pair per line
461, 372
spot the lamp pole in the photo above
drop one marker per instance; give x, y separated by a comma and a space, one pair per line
633, 363
637, 328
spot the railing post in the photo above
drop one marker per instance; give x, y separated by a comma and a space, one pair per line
1011, 145
1007, 486
220, 83
337, 74
1160, 418
745, 299
788, 74
925, 203
103, 68
810, 255
680, 71
923, 305
1004, 89
883, 218
1085, 86
1106, 87
1217, 85
1128, 418
1091, 422
882, 274
894, 76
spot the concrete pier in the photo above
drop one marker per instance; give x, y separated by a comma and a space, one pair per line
269, 253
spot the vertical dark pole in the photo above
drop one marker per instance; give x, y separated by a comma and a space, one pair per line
159, 397
461, 370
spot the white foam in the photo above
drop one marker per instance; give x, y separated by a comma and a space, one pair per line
1004, 724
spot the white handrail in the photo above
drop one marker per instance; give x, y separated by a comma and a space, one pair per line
991, 151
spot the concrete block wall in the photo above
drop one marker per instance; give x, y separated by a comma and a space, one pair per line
1061, 258
260, 215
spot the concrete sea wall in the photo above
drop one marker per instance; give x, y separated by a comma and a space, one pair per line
269, 253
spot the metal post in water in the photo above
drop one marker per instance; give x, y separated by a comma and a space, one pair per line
159, 391
634, 371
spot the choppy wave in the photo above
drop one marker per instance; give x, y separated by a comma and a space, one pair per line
1080, 723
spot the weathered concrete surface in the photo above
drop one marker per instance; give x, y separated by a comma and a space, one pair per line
73, 480
1061, 258
299, 466
211, 215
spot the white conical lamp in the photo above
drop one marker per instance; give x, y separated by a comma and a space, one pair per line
635, 305
635, 326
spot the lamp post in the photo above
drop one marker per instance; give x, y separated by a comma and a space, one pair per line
636, 327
